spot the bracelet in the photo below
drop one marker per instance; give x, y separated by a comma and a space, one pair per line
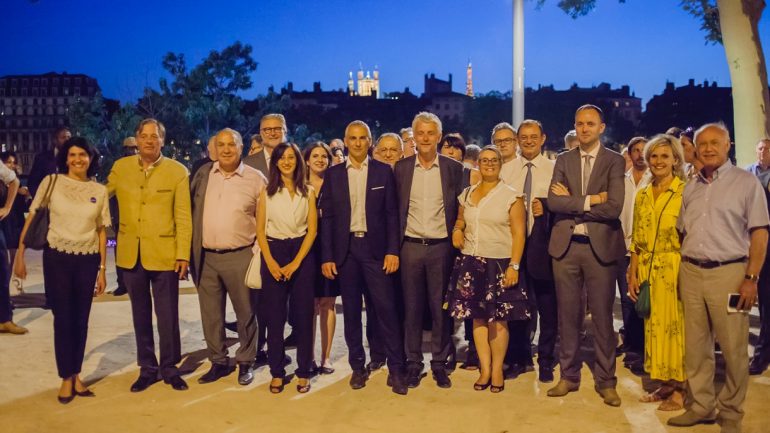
102, 267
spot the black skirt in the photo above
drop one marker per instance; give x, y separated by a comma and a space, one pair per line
476, 291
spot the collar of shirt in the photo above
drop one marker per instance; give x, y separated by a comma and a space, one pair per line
238, 171
365, 163
153, 165
432, 164
594, 152
718, 172
536, 161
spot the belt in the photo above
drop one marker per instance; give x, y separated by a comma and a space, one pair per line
422, 241
226, 250
358, 234
581, 239
710, 264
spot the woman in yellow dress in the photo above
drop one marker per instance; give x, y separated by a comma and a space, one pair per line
655, 258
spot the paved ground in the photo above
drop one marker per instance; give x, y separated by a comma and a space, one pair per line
28, 387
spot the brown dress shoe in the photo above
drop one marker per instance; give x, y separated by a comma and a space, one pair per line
13, 328
609, 395
690, 418
563, 388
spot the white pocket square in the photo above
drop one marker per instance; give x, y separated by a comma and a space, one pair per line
377, 187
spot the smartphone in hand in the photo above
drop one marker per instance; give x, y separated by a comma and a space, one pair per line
732, 303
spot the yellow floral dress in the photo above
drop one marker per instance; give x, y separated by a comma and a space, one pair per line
664, 329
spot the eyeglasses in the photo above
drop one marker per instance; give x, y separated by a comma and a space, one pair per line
275, 130
486, 161
500, 141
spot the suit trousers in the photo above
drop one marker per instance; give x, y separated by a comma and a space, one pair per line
224, 274
362, 275
273, 307
633, 325
704, 298
6, 310
165, 294
762, 349
547, 313
71, 279
425, 273
577, 271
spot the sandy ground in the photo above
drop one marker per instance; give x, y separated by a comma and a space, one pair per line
29, 383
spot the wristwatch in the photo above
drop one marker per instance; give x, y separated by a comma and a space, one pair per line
513, 265
751, 277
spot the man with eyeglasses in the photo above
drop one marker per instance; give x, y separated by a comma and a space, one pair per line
504, 138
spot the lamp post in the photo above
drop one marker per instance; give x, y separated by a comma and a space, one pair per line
518, 62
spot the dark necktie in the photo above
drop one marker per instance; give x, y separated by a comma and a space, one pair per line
528, 192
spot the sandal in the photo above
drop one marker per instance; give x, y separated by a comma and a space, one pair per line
672, 403
659, 394
276, 389
482, 386
302, 389
494, 389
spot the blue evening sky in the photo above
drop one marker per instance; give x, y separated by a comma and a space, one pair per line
642, 43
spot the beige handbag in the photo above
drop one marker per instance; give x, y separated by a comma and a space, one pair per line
254, 272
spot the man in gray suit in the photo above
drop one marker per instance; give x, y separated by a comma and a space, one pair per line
428, 185
224, 206
272, 129
586, 198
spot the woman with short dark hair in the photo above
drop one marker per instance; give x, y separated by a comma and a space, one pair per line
73, 260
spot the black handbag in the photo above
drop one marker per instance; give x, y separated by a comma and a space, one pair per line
36, 237
643, 304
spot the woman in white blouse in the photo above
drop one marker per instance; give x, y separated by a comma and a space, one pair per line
73, 261
286, 228
490, 233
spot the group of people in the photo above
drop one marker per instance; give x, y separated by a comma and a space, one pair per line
423, 229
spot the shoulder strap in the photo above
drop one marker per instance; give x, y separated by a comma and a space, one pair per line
657, 230
49, 191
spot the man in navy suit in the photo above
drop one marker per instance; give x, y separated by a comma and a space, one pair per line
359, 246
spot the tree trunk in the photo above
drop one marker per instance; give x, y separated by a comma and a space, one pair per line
738, 21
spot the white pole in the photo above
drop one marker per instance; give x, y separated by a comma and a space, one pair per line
518, 62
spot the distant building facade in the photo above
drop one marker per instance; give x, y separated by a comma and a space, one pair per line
31, 106
366, 85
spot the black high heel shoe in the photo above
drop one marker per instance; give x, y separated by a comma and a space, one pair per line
65, 400
496, 389
481, 386
86, 393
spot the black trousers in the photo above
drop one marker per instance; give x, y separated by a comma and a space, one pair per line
361, 274
424, 278
273, 307
6, 310
762, 349
633, 325
544, 293
71, 279
165, 294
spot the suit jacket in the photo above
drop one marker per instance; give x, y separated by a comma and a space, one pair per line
537, 261
155, 219
257, 161
602, 221
451, 187
381, 213
43, 165
198, 185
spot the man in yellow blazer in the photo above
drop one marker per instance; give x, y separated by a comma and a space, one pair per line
154, 239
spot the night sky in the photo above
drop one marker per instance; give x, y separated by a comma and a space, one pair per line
642, 43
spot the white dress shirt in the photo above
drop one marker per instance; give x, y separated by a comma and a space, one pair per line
357, 185
580, 229
508, 169
627, 215
426, 218
542, 172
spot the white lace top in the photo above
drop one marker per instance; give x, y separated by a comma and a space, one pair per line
77, 209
